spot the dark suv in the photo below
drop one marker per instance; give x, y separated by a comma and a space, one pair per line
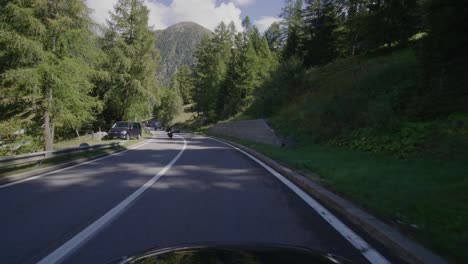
125, 130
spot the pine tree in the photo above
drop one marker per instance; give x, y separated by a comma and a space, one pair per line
249, 68
293, 25
213, 56
321, 23
352, 29
273, 37
242, 79
267, 62
390, 21
183, 83
132, 91
445, 58
202, 74
170, 106
46, 65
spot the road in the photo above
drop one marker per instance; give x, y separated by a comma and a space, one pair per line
188, 190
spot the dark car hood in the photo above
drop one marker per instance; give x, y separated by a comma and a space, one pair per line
233, 253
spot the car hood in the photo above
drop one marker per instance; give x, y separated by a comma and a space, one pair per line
233, 253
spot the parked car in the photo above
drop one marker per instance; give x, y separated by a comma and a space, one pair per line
125, 130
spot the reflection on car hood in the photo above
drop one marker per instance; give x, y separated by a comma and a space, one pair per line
233, 254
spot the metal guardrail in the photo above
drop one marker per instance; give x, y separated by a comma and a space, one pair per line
40, 156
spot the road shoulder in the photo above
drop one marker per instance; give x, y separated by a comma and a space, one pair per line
6, 181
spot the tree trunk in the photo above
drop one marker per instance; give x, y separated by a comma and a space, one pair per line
48, 133
48, 124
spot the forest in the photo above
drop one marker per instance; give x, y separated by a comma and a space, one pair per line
377, 75
60, 72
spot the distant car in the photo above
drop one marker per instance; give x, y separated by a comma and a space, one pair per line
125, 130
175, 129
154, 125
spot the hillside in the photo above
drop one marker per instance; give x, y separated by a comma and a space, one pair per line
368, 103
177, 45
365, 120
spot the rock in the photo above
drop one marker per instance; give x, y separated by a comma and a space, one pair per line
99, 135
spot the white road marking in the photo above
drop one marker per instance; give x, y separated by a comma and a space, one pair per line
360, 244
73, 166
78, 240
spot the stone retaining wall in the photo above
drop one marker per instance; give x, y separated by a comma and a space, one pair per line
253, 130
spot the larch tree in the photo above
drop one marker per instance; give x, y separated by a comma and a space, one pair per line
321, 24
182, 83
213, 56
293, 28
273, 37
129, 43
47, 51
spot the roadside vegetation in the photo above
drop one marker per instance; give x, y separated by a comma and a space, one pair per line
374, 76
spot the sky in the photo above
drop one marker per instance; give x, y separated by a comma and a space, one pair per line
208, 13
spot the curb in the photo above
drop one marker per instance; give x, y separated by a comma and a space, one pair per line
398, 244
32, 173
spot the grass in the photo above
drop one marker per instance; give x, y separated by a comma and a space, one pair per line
11, 170
360, 91
185, 115
425, 198
74, 143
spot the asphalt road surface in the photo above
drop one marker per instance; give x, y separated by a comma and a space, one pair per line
188, 190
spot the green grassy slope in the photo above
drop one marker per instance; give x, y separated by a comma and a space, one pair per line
363, 125
371, 103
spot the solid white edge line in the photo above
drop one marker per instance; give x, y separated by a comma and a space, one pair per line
74, 243
360, 244
73, 166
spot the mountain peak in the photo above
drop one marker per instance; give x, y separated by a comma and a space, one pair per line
185, 24
177, 44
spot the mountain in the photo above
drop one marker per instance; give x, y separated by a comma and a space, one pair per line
177, 45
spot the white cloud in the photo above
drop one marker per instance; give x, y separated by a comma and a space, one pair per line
101, 10
243, 2
204, 12
265, 22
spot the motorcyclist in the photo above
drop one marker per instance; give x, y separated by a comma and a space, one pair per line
170, 134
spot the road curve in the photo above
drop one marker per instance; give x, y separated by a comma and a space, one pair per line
210, 193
